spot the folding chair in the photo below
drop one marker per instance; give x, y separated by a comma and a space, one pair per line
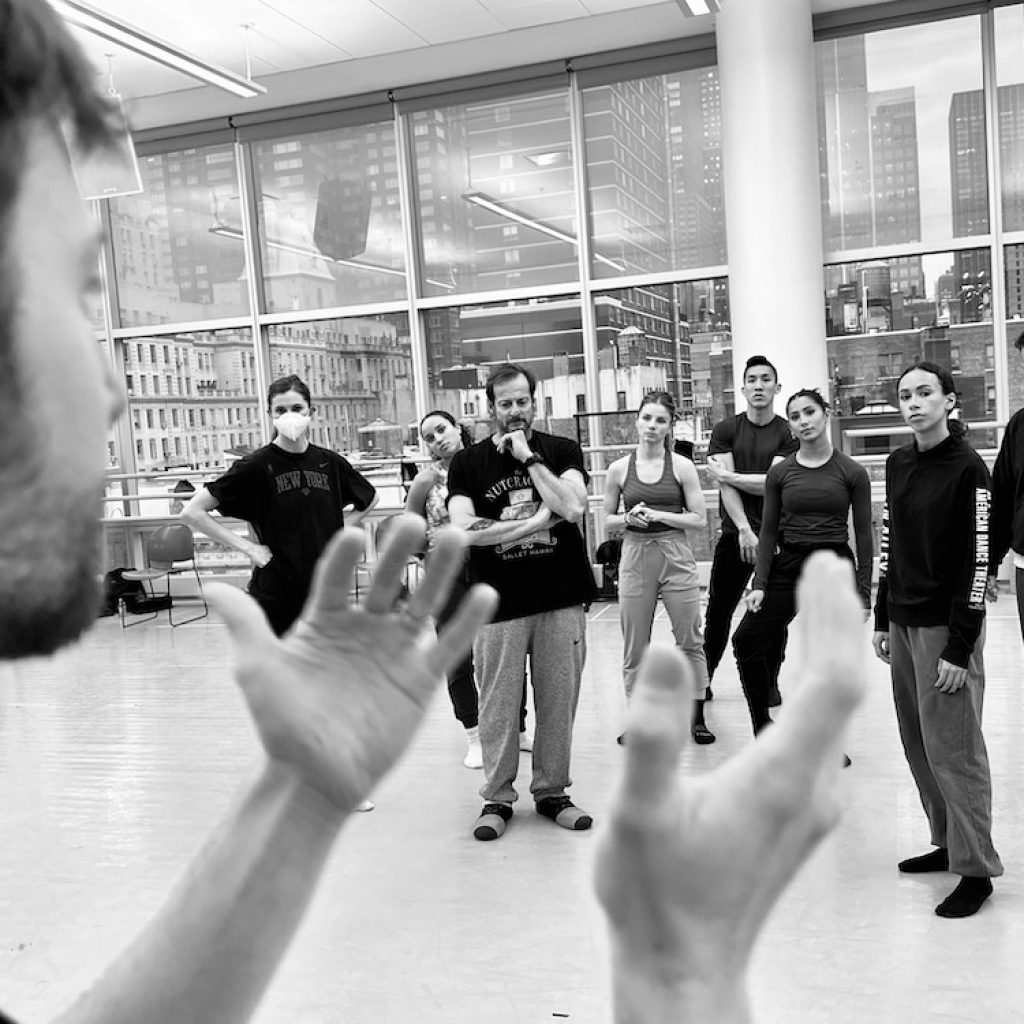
166, 548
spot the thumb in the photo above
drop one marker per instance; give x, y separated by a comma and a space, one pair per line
247, 625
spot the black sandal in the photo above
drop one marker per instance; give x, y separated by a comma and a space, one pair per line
702, 735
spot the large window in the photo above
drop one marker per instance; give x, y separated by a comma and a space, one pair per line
654, 164
192, 399
359, 371
883, 315
465, 343
909, 230
330, 219
178, 252
494, 181
901, 118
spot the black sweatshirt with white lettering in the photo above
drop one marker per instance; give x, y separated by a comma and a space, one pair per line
934, 549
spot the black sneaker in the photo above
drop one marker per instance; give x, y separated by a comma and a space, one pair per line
492, 821
562, 811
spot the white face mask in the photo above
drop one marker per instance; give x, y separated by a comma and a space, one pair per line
292, 425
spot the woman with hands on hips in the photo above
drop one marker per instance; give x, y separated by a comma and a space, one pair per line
292, 494
662, 498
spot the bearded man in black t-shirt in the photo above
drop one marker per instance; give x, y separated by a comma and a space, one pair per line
520, 494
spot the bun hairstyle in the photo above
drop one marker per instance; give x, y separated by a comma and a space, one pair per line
957, 427
813, 394
467, 437
667, 402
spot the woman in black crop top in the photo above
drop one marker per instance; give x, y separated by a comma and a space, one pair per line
662, 498
807, 502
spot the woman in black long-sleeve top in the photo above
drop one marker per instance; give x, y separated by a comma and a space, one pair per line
807, 502
929, 627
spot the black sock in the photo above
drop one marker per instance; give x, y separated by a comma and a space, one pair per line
936, 860
698, 712
966, 899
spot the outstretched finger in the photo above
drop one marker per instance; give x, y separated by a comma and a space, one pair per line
657, 726
405, 538
834, 650
443, 564
456, 638
332, 578
247, 625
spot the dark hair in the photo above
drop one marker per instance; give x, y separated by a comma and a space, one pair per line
1019, 343
667, 402
464, 433
659, 398
761, 361
285, 384
957, 427
813, 394
506, 372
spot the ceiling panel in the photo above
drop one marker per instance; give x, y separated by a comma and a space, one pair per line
607, 6
444, 23
312, 49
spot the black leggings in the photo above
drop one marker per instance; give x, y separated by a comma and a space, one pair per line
462, 678
759, 642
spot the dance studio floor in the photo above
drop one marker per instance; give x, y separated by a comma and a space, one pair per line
117, 757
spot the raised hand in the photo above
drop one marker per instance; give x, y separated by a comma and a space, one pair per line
688, 869
338, 698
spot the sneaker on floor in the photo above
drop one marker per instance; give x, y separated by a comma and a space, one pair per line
774, 697
492, 821
365, 805
526, 742
562, 811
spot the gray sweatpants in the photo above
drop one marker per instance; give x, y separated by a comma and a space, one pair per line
652, 566
945, 748
556, 644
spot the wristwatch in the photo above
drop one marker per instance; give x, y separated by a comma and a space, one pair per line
533, 460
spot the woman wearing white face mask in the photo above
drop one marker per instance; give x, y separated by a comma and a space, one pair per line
292, 494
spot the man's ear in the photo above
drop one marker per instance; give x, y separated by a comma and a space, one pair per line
778, 388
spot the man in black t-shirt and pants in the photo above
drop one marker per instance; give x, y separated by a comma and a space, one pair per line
520, 494
743, 448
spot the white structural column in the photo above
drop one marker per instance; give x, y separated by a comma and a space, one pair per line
772, 191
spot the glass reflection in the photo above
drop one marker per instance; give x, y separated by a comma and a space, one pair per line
495, 185
654, 165
330, 223
902, 135
172, 263
883, 315
465, 343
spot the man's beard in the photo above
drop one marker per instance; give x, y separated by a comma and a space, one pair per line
49, 582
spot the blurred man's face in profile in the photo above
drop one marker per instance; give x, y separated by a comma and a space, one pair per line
58, 408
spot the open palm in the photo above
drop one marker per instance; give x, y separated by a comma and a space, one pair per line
339, 697
689, 868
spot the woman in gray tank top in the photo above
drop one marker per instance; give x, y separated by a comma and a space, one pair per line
662, 498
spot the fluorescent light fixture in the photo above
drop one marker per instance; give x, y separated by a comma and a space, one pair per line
114, 30
486, 202
695, 8
376, 268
